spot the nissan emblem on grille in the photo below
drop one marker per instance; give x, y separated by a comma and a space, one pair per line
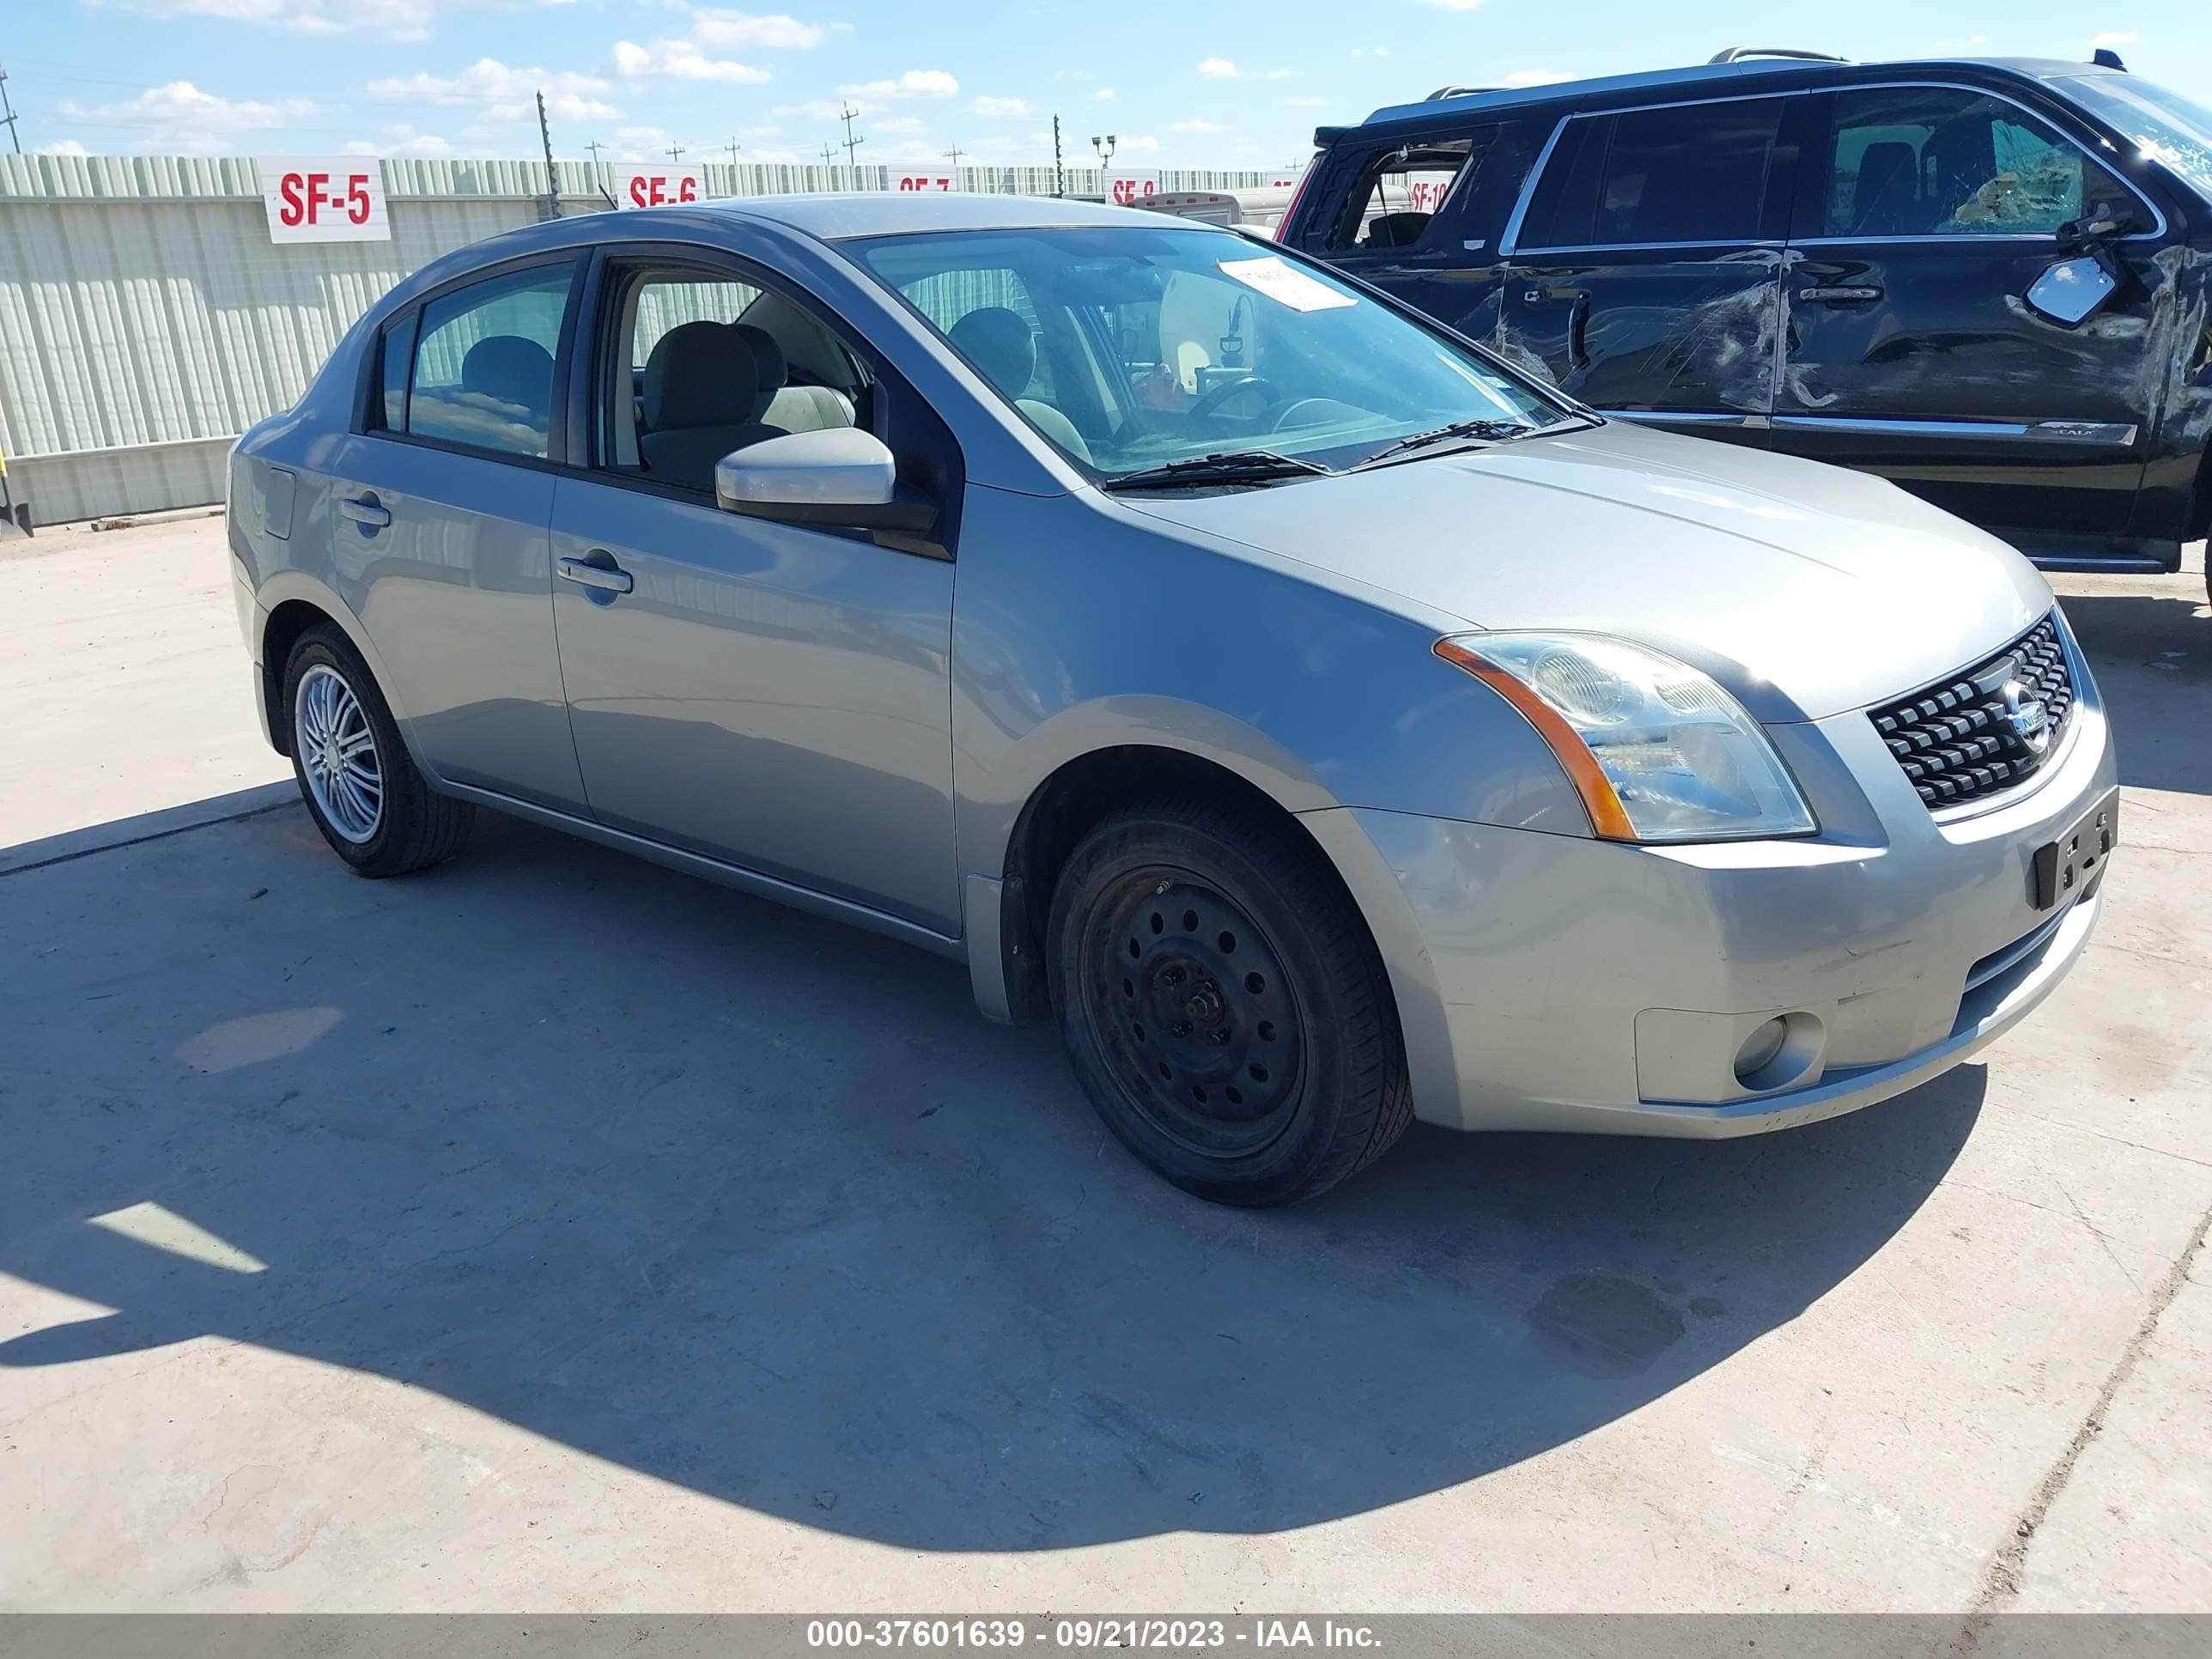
1990, 728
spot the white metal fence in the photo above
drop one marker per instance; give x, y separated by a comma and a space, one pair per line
146, 319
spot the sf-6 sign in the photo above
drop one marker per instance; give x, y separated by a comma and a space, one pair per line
328, 199
642, 185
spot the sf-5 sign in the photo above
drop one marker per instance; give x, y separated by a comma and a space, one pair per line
644, 186
329, 198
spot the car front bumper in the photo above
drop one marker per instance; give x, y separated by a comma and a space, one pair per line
1550, 981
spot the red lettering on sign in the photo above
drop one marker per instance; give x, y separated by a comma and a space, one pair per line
288, 189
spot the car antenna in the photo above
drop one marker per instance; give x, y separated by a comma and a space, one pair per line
2106, 58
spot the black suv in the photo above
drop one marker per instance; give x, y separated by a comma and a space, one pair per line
1986, 280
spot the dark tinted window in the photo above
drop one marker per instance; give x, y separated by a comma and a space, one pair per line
483, 362
1941, 162
398, 349
1693, 172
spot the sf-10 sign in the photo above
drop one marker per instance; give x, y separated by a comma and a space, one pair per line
331, 199
642, 186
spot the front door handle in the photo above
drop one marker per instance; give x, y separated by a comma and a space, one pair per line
1838, 296
608, 577
365, 509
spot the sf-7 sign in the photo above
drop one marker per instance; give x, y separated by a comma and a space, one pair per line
334, 199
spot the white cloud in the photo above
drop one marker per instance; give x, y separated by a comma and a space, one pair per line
1249, 149
651, 144
402, 139
907, 150
760, 132
683, 61
776, 32
1223, 69
67, 147
1453, 5
1195, 125
1532, 78
914, 83
899, 124
1371, 52
403, 20
181, 118
2114, 38
998, 109
1103, 93
824, 109
1142, 142
503, 93
1304, 103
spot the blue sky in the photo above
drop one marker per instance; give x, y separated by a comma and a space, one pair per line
1224, 84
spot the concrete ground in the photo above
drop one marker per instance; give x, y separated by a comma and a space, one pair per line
553, 1232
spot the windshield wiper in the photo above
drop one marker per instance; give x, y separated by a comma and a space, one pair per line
1485, 428
1232, 466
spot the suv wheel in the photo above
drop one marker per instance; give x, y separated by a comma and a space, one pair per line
1224, 1007
363, 791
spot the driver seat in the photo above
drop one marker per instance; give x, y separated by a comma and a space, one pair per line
1003, 349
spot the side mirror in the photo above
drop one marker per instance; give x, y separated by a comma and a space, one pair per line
841, 477
2070, 291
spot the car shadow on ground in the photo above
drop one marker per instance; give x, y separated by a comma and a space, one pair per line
756, 1204
2152, 656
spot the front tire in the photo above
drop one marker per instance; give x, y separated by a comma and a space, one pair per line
1224, 1006
364, 793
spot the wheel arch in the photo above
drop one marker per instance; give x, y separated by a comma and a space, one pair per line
292, 602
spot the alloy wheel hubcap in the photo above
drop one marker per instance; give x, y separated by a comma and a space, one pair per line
337, 747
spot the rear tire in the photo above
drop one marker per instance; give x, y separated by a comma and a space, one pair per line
376, 809
1224, 1006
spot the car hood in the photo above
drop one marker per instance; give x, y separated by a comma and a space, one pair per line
1807, 590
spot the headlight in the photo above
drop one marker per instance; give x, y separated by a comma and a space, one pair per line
1656, 751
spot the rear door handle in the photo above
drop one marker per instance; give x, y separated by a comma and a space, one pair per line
608, 578
365, 509
1838, 296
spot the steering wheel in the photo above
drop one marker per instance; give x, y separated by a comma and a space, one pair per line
1210, 402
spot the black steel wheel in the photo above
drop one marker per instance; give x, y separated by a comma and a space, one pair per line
1224, 1006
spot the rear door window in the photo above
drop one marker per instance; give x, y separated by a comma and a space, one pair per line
1689, 174
1945, 161
1400, 188
482, 370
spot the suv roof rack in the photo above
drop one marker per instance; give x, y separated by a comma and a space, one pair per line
1458, 91
1737, 54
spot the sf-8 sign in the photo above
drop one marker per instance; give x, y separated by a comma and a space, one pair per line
331, 199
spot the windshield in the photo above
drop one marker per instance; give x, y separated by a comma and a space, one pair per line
2171, 129
1131, 348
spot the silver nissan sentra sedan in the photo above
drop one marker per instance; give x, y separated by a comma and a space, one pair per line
1326, 724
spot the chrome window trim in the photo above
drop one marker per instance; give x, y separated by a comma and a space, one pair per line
1509, 245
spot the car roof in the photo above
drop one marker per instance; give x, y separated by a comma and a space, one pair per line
830, 217
1703, 77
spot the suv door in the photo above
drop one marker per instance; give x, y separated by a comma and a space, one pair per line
1929, 215
438, 518
772, 695
1643, 262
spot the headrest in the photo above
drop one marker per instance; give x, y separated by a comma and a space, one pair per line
999, 343
768, 360
699, 374
510, 369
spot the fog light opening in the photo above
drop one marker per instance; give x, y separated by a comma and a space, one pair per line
1780, 1053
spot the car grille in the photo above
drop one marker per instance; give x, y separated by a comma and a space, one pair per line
1978, 733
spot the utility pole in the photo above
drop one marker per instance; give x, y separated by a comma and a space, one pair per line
953, 155
595, 147
733, 147
552, 178
847, 114
676, 154
9, 118
1059, 176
